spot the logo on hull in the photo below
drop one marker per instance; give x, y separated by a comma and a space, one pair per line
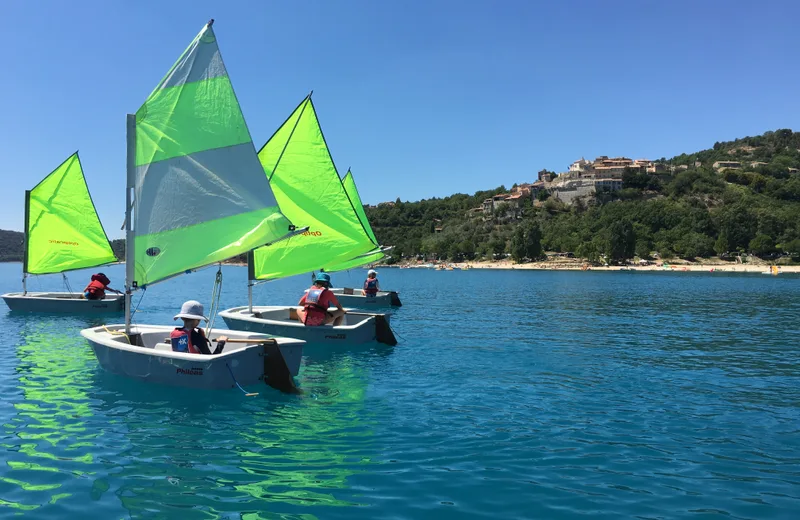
195, 371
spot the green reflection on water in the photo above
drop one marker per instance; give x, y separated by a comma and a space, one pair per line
273, 456
307, 450
51, 420
27, 486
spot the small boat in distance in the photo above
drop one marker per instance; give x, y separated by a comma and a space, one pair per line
62, 233
350, 297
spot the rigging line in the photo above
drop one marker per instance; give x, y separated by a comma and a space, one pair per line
133, 314
216, 293
66, 282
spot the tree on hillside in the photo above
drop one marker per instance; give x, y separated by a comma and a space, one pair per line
621, 242
762, 245
738, 224
533, 241
518, 245
793, 248
633, 179
497, 247
722, 246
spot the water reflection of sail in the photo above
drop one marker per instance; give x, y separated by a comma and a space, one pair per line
48, 445
306, 451
212, 454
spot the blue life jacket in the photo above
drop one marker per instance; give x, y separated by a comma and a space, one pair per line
190, 341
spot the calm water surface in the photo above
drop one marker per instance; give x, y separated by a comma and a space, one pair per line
511, 395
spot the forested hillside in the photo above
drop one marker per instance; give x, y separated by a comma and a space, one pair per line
10, 246
694, 212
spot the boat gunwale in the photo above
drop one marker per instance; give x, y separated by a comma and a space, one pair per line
236, 313
105, 337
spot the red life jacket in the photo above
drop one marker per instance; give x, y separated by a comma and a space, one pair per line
182, 340
96, 288
100, 277
312, 304
371, 286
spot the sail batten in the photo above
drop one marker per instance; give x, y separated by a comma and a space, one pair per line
62, 229
309, 191
200, 192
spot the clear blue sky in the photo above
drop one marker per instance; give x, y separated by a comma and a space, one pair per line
422, 98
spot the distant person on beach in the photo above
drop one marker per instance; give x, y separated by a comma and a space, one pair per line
190, 338
371, 284
96, 290
316, 303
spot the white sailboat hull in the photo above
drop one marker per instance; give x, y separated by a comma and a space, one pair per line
382, 299
151, 358
63, 302
358, 328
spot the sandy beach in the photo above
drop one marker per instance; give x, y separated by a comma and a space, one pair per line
677, 266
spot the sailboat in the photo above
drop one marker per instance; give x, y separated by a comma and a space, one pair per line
62, 233
196, 195
349, 297
308, 189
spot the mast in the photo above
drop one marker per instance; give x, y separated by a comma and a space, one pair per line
251, 275
129, 239
25, 243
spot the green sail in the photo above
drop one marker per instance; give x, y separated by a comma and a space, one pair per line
359, 261
355, 199
200, 193
63, 230
310, 193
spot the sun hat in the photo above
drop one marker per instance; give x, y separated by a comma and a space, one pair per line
372, 271
324, 277
192, 310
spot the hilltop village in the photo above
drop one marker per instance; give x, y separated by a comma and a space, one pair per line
585, 179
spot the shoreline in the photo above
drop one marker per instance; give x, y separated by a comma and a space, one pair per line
680, 266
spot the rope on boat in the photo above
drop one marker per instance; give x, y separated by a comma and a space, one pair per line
245, 392
394, 331
117, 333
144, 291
216, 293
66, 282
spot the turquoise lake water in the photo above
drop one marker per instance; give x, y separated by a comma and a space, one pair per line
512, 394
